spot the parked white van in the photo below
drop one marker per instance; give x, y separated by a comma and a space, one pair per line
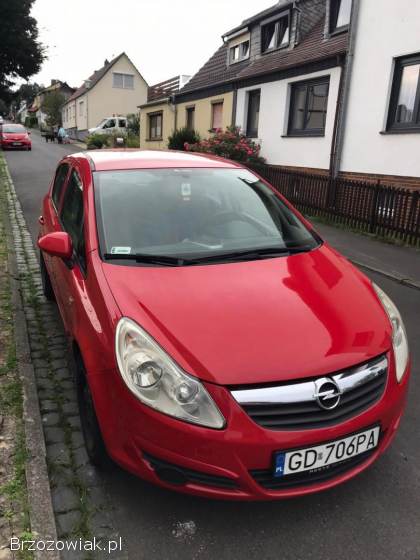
110, 125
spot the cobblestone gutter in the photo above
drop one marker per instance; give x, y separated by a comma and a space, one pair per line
77, 491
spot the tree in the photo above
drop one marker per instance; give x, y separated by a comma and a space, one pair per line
21, 54
51, 106
3, 107
27, 92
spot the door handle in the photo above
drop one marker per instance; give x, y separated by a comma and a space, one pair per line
41, 220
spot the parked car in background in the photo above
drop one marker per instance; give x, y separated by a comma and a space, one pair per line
15, 136
110, 125
222, 348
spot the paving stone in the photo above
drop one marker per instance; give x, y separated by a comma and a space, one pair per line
67, 522
62, 374
49, 393
40, 363
89, 476
60, 476
80, 457
48, 406
54, 435
58, 453
65, 499
97, 497
77, 440
42, 372
50, 419
68, 385
58, 364
74, 422
100, 525
44, 383
71, 409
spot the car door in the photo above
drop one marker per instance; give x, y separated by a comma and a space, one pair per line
71, 277
50, 221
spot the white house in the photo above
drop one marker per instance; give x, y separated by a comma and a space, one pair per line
115, 89
382, 124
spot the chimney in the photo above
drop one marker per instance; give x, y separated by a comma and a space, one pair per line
53, 82
87, 84
106, 62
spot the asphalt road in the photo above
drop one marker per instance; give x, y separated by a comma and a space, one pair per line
375, 516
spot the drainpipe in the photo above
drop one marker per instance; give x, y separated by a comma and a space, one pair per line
341, 114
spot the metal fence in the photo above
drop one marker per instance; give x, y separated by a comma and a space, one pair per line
385, 211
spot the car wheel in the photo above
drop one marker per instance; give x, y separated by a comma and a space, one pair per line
45, 279
92, 436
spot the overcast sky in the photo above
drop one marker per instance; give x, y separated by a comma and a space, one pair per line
163, 38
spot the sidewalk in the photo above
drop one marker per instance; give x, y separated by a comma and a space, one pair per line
399, 263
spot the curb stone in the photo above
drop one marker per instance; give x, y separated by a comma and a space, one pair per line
40, 333
408, 282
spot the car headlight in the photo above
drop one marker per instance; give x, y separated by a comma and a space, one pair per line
157, 381
399, 336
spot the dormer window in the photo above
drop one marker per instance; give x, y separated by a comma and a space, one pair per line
239, 52
275, 34
340, 15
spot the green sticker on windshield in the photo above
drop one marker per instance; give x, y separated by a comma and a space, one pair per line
120, 250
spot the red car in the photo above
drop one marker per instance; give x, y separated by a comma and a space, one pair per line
222, 347
15, 136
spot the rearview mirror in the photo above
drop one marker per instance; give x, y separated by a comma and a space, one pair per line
57, 244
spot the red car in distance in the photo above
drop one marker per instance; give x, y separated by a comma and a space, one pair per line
222, 348
15, 136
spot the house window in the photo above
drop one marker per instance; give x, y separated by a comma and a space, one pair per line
239, 52
190, 118
275, 34
253, 113
340, 15
122, 81
308, 107
155, 126
81, 108
404, 111
217, 115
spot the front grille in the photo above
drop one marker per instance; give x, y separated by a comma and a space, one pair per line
265, 478
189, 475
295, 407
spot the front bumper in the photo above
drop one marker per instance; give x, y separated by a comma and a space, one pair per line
9, 144
234, 463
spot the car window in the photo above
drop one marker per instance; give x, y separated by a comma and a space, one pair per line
110, 123
191, 212
121, 123
59, 181
72, 216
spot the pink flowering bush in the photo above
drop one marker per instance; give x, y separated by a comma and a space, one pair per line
230, 144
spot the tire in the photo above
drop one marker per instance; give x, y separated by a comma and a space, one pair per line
46, 282
94, 443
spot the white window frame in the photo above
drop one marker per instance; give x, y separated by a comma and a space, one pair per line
124, 76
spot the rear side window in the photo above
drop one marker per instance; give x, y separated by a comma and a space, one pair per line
59, 181
72, 216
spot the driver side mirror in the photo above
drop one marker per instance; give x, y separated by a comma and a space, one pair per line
57, 244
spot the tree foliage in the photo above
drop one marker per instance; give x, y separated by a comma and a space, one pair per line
51, 106
26, 92
21, 53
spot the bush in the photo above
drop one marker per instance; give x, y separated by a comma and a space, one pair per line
181, 137
31, 122
133, 124
230, 144
97, 141
133, 141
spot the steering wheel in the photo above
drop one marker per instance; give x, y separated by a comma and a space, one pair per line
229, 216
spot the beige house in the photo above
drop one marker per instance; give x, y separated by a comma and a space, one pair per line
158, 117
115, 89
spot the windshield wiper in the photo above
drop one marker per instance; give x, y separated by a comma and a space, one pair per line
247, 254
159, 260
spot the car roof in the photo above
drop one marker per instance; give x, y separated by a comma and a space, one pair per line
107, 160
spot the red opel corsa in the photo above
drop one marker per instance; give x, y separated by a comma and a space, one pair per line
15, 136
222, 347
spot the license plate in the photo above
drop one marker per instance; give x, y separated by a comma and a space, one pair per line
17, 143
322, 456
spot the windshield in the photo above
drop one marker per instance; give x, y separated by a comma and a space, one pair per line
13, 128
193, 213
103, 121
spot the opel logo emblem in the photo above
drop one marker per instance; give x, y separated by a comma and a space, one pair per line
327, 393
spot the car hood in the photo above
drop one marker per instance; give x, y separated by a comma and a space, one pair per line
257, 322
